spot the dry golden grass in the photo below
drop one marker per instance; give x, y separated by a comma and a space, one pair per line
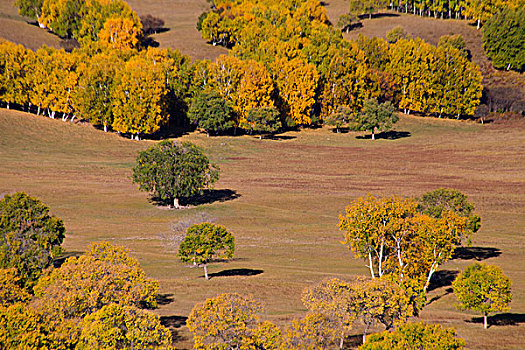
291, 191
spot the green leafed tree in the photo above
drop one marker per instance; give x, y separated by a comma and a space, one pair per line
435, 203
504, 39
211, 112
374, 117
29, 8
123, 327
263, 120
206, 242
483, 288
414, 336
172, 171
29, 237
339, 118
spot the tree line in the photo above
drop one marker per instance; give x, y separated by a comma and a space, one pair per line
287, 67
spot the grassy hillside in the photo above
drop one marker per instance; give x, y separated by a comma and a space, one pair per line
289, 192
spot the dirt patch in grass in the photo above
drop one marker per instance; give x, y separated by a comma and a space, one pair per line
290, 192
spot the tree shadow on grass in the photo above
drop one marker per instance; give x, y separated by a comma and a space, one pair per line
387, 135
211, 196
353, 341
279, 137
165, 299
236, 272
59, 260
207, 197
173, 323
504, 319
476, 253
442, 278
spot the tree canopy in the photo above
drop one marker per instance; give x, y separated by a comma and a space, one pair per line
483, 288
374, 116
29, 236
206, 242
172, 170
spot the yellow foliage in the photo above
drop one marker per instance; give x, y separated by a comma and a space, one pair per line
120, 33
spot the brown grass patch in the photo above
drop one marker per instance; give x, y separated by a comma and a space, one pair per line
291, 192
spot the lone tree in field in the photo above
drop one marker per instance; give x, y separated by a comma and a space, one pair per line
211, 112
172, 171
206, 242
263, 120
29, 237
374, 116
483, 288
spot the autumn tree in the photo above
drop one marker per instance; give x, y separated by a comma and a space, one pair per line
211, 112
120, 33
412, 336
139, 97
483, 288
225, 321
396, 34
368, 224
15, 71
83, 285
96, 81
504, 39
22, 328
296, 83
29, 237
374, 116
29, 8
435, 203
172, 171
123, 327
334, 299
313, 331
12, 288
381, 301
206, 242
263, 120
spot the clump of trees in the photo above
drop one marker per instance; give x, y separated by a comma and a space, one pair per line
483, 288
96, 300
173, 171
504, 39
396, 237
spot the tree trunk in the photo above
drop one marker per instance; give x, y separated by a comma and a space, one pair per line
206, 272
364, 333
485, 323
373, 135
105, 128
176, 204
8, 105
260, 136
479, 21
341, 341
38, 110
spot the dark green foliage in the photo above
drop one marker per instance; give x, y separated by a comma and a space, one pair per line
29, 8
29, 237
340, 117
345, 21
434, 203
415, 336
456, 41
397, 34
171, 171
211, 112
504, 39
374, 116
201, 18
206, 242
263, 120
